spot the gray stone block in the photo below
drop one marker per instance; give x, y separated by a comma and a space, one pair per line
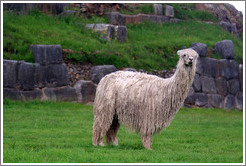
201, 99
197, 83
158, 10
225, 48
233, 86
98, 72
65, 93
13, 94
229, 102
207, 67
169, 11
239, 101
129, 69
120, 33
47, 54
86, 90
221, 86
26, 75
208, 84
10, 72
116, 18
57, 75
228, 69
217, 101
32, 95
40, 75
190, 99
200, 48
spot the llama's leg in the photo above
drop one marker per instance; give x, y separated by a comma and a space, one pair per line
147, 141
111, 135
97, 135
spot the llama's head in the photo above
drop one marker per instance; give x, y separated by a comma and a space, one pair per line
188, 56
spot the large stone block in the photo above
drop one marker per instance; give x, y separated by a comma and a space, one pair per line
40, 75
66, 93
86, 90
116, 18
239, 101
57, 75
98, 72
47, 54
229, 102
190, 99
207, 67
12, 94
225, 48
215, 100
208, 84
201, 99
200, 48
169, 11
26, 75
10, 72
32, 95
106, 30
158, 10
221, 86
233, 86
120, 33
228, 69
197, 83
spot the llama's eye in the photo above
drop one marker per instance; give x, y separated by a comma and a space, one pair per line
184, 55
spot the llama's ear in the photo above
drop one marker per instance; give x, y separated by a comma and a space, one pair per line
179, 52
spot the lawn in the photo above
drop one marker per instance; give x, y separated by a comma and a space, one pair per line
49, 132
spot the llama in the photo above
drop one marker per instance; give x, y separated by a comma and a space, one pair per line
143, 102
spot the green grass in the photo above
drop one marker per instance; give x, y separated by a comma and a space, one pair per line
149, 46
48, 132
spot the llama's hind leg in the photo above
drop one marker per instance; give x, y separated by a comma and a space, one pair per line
147, 141
111, 135
97, 138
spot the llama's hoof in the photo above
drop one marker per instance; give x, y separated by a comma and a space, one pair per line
115, 143
101, 144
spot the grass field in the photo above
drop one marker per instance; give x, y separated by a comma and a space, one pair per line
48, 132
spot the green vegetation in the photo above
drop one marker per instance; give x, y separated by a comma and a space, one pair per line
149, 46
40, 132
141, 8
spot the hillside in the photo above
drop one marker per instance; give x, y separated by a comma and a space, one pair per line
149, 46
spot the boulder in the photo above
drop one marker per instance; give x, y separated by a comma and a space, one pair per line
158, 10
229, 102
197, 83
190, 99
200, 48
65, 93
26, 75
40, 75
169, 11
32, 95
201, 99
47, 54
13, 94
86, 91
241, 77
116, 18
207, 67
225, 48
208, 84
217, 101
120, 33
233, 86
230, 27
98, 72
228, 69
57, 75
239, 101
10, 71
221, 86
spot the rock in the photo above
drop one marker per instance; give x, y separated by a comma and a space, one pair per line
225, 48
201, 99
228, 69
47, 54
26, 75
197, 83
221, 86
200, 48
68, 13
229, 102
13, 94
116, 18
241, 77
120, 33
207, 67
98, 72
190, 99
174, 20
106, 30
32, 95
57, 75
233, 86
215, 100
10, 71
129, 69
230, 27
158, 10
66, 93
208, 84
40, 75
239, 101
169, 11
86, 91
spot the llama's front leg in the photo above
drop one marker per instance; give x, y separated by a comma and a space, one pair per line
97, 136
147, 141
